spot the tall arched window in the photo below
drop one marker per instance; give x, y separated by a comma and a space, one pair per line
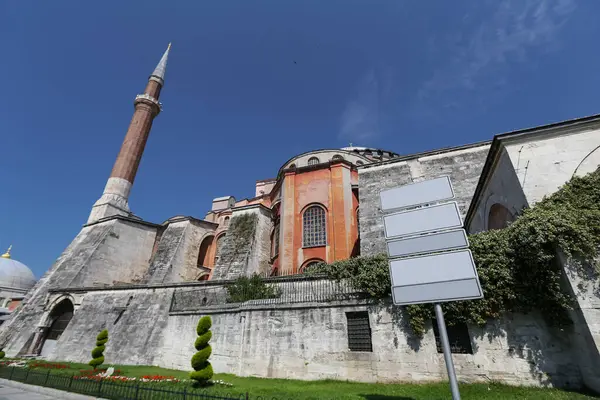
275, 241
313, 161
358, 221
226, 222
314, 227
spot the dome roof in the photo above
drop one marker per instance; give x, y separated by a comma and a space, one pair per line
14, 274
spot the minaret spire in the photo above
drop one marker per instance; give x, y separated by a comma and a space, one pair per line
115, 198
161, 68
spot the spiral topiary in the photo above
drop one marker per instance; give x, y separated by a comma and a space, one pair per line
203, 371
97, 353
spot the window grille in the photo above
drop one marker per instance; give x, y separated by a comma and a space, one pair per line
276, 241
313, 161
458, 336
337, 157
314, 228
359, 331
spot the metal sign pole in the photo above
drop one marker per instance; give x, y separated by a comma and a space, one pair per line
439, 316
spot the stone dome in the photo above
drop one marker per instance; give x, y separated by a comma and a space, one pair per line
14, 274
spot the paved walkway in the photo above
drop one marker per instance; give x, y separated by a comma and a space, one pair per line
9, 393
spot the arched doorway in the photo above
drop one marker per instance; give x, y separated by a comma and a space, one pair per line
499, 217
203, 255
58, 319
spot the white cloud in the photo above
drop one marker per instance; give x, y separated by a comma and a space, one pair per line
360, 120
481, 56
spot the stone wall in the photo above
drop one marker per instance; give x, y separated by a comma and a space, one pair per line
306, 340
115, 250
546, 161
501, 187
246, 247
462, 165
312, 343
176, 257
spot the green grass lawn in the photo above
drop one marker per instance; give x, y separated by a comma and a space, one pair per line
283, 389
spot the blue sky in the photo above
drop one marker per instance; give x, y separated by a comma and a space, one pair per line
251, 83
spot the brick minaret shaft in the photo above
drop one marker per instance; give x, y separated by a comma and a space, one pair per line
115, 198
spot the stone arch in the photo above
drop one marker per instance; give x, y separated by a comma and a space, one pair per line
491, 200
589, 163
219, 241
56, 321
309, 263
499, 217
204, 252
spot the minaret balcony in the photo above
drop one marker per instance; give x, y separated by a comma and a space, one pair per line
149, 100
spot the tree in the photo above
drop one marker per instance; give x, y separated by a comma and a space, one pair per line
203, 371
98, 352
2, 353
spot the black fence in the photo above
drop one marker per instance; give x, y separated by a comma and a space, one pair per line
114, 390
276, 290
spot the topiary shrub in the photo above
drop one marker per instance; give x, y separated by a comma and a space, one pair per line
2, 353
203, 371
98, 352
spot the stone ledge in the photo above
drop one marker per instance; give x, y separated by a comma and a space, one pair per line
240, 307
59, 394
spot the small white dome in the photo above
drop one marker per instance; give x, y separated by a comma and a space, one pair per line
14, 274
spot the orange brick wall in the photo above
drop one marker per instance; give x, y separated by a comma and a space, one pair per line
330, 187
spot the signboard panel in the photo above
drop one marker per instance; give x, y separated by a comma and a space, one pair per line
421, 220
430, 278
441, 241
415, 194
438, 292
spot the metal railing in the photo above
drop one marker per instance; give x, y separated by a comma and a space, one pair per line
279, 290
114, 390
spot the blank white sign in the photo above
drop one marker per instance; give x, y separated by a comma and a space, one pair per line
438, 292
415, 194
438, 241
421, 220
435, 278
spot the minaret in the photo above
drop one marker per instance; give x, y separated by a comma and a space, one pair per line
114, 200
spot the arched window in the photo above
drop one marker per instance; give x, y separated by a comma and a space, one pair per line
359, 162
275, 241
292, 166
219, 247
313, 161
337, 157
358, 221
499, 217
226, 222
203, 253
314, 227
310, 264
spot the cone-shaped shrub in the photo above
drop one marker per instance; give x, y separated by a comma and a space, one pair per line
97, 353
2, 353
203, 371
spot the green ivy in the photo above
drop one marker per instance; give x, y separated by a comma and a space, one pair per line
519, 266
251, 288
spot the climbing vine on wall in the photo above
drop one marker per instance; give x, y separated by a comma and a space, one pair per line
518, 266
242, 228
251, 288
